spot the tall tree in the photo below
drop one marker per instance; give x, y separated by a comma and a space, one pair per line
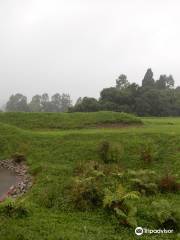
65, 102
56, 101
35, 104
148, 80
45, 102
17, 103
164, 82
122, 82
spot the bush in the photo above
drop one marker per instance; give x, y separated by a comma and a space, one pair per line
168, 183
144, 181
10, 208
148, 152
104, 149
108, 153
91, 168
18, 157
86, 193
119, 202
165, 215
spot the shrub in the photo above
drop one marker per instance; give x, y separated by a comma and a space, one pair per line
119, 202
18, 157
148, 153
168, 183
165, 215
88, 169
86, 193
144, 181
104, 149
7, 207
108, 153
11, 208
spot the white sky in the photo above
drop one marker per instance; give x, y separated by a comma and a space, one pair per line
81, 46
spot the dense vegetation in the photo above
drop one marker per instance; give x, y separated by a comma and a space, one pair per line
153, 98
92, 183
39, 103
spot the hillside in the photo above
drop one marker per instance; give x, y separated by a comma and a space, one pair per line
57, 159
66, 120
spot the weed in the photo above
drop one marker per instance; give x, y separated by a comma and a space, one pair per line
120, 203
143, 181
18, 157
165, 215
169, 183
86, 193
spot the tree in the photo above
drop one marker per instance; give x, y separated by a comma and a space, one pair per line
87, 105
165, 82
56, 101
148, 80
35, 104
79, 101
17, 103
65, 102
122, 82
45, 103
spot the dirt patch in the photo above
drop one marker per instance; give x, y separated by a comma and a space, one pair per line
116, 125
15, 179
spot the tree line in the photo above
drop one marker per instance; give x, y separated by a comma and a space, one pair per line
39, 103
153, 98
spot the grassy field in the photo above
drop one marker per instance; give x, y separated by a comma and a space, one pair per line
57, 144
50, 121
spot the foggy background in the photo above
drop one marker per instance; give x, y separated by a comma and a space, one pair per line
79, 46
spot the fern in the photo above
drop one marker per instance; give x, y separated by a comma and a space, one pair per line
119, 202
165, 215
143, 181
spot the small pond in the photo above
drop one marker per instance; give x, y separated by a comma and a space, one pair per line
7, 179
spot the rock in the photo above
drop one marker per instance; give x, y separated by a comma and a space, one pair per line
24, 181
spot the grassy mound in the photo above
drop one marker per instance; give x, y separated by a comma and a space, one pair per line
66, 120
73, 169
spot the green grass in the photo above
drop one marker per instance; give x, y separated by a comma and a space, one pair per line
50, 121
52, 156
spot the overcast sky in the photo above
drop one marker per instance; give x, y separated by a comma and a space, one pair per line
81, 46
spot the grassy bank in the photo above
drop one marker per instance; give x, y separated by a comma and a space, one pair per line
52, 157
66, 120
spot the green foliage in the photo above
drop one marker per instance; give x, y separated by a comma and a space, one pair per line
86, 105
55, 121
104, 149
50, 197
165, 214
86, 193
18, 157
58, 103
58, 152
10, 208
120, 203
17, 103
148, 152
144, 181
169, 183
153, 98
148, 80
109, 153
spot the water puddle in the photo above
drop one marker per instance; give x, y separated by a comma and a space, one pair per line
7, 179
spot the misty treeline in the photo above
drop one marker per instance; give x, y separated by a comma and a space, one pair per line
39, 103
153, 98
